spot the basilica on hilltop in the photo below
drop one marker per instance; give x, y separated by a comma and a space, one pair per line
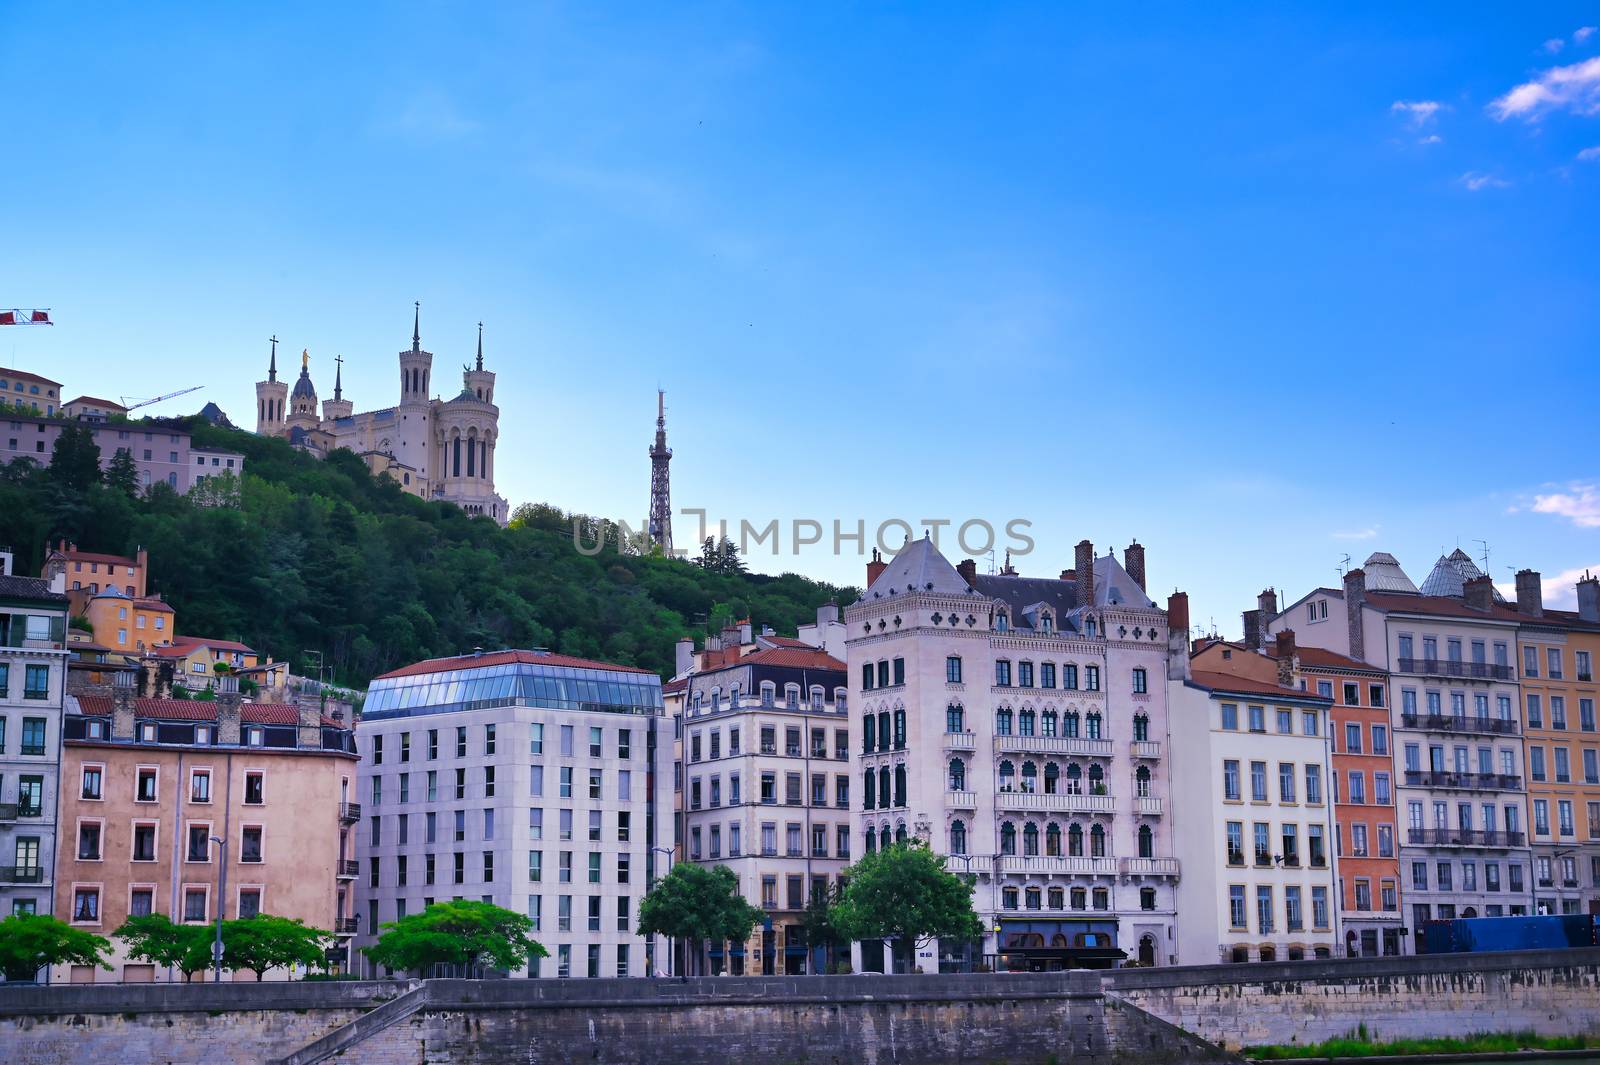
433, 448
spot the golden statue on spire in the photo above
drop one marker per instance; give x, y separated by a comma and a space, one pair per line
305, 359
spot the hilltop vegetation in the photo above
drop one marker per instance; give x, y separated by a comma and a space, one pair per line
309, 555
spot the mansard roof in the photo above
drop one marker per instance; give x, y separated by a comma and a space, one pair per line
918, 568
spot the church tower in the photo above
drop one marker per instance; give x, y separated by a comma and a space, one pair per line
414, 428
303, 398
479, 382
271, 395
416, 365
337, 407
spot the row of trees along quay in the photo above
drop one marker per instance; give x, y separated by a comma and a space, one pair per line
902, 893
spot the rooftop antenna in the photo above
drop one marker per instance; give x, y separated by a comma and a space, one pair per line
990, 557
1344, 564
1483, 548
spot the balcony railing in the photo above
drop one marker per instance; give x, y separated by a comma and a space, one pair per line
960, 741
969, 863
1056, 745
1147, 866
961, 800
1429, 778
21, 874
346, 926
1145, 748
11, 811
1033, 800
347, 869
1432, 667
1464, 837
1488, 726
1040, 864
349, 812
1148, 806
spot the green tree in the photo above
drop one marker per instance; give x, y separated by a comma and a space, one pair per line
122, 475
29, 942
822, 928
457, 933
156, 939
75, 459
904, 893
695, 904
265, 942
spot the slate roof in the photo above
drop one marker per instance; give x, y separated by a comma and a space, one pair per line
919, 567
29, 588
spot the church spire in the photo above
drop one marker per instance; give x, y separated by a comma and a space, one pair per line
480, 347
416, 328
338, 374
272, 365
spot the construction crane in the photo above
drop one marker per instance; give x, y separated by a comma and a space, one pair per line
136, 404
19, 316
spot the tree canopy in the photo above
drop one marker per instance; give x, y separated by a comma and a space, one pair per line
154, 938
903, 892
266, 942
29, 942
696, 903
373, 578
457, 933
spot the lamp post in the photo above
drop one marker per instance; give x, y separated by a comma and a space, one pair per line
671, 943
222, 901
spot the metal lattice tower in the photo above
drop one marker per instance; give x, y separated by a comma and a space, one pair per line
660, 529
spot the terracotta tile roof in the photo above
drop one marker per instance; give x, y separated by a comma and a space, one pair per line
502, 658
1226, 682
802, 657
785, 641
95, 556
1316, 657
668, 687
1440, 606
97, 401
183, 645
26, 376
201, 710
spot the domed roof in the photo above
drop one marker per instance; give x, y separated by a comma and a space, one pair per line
303, 388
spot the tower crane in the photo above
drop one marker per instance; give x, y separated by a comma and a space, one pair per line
137, 403
20, 316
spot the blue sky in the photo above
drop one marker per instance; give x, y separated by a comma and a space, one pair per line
1259, 287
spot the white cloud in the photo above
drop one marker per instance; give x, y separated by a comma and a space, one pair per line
1477, 181
1590, 153
1418, 112
1579, 504
1432, 138
1583, 33
1575, 87
1559, 591
1369, 533
1554, 45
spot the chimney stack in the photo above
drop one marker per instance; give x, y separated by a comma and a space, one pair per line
1288, 660
1178, 636
875, 567
1589, 598
1252, 630
1355, 602
1133, 562
1479, 592
683, 656
122, 707
1085, 573
1530, 596
228, 711
968, 570
1267, 603
827, 613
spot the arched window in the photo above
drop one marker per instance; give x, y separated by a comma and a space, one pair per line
869, 732
1030, 777
716, 699
1141, 727
1047, 723
816, 697
1002, 621
1002, 721
456, 459
1069, 722
900, 728
954, 719
1141, 781
1097, 841
958, 775
900, 832
1097, 779
870, 790
900, 784
1080, 898
1102, 898
1268, 952
1074, 779
1052, 775
885, 739
1147, 901
884, 839
958, 837
1091, 629
1052, 840
1058, 899
1075, 841
1025, 722
1008, 838
1030, 840
1147, 842
1093, 725
872, 840
883, 788
1008, 773
1031, 898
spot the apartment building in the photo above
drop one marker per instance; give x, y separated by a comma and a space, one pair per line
768, 769
1256, 817
523, 778
198, 810
1556, 650
33, 684
1017, 725
161, 453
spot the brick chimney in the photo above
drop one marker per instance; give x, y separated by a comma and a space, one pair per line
309, 735
1178, 636
1288, 659
1267, 603
968, 570
875, 566
1133, 562
1085, 573
126, 688
1355, 602
1252, 630
1589, 598
228, 710
1479, 593
1530, 595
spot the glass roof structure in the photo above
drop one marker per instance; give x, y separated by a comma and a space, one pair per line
476, 687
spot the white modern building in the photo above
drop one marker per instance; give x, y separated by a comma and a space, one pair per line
1018, 725
527, 779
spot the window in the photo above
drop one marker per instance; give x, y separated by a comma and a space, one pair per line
199, 844
1258, 718
36, 686
952, 669
254, 789
1230, 780
144, 842
1285, 782
1258, 781
536, 738
1230, 716
86, 905
1140, 682
89, 841
92, 778
1002, 673
32, 735
250, 844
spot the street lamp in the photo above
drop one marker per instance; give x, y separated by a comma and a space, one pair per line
222, 901
671, 943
